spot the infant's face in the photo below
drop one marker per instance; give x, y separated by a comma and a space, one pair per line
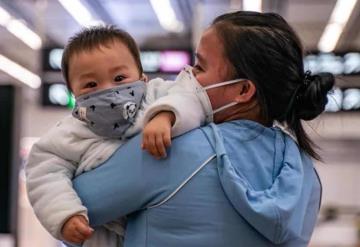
102, 68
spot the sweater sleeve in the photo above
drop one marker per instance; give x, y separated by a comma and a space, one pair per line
170, 96
49, 171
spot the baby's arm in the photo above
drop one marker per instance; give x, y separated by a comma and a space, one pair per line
49, 174
171, 112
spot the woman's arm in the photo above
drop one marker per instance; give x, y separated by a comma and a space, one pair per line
132, 179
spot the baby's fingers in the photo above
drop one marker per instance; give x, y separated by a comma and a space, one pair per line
151, 146
144, 143
84, 229
167, 139
76, 238
160, 145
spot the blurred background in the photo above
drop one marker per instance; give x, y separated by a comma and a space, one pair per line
33, 96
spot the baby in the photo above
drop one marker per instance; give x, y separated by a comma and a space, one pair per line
102, 68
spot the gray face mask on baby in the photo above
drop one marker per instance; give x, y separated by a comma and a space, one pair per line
110, 112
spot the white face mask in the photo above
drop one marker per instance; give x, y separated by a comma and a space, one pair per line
190, 84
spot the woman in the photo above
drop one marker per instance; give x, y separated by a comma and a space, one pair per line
240, 182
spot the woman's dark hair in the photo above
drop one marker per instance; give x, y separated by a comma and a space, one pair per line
94, 37
263, 48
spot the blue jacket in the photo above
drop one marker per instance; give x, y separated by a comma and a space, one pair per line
234, 184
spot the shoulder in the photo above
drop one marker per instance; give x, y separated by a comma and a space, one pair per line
65, 131
159, 82
157, 88
239, 133
70, 126
68, 122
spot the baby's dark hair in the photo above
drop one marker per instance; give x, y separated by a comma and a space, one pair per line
263, 48
94, 37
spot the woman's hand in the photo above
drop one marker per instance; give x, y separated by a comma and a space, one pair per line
76, 229
157, 134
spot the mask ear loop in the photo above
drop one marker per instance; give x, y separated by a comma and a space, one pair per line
225, 106
144, 78
223, 83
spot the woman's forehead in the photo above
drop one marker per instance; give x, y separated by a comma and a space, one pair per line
210, 46
212, 51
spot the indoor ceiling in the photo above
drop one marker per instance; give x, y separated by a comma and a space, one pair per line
50, 20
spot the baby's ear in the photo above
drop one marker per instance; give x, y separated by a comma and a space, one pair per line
144, 78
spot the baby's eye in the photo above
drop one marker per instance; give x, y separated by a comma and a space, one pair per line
119, 78
90, 84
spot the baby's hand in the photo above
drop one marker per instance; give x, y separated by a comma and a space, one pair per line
76, 229
157, 134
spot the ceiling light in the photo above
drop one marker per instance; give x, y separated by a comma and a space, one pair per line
338, 19
166, 15
25, 34
18, 72
79, 12
20, 30
252, 5
4, 17
330, 37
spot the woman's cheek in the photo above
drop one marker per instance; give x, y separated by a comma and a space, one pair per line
203, 79
214, 98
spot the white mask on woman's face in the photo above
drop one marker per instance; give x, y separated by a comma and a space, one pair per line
190, 84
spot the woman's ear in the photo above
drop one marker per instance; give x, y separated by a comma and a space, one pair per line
144, 78
247, 92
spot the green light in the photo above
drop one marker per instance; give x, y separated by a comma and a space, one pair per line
71, 101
